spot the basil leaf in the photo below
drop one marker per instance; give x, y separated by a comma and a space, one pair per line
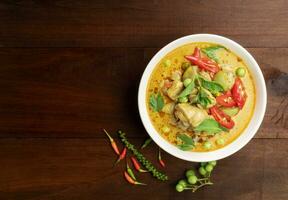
211, 52
153, 102
188, 142
156, 103
203, 99
185, 147
210, 126
187, 90
160, 102
186, 139
212, 86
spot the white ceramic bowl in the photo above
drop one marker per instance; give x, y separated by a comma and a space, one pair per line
248, 133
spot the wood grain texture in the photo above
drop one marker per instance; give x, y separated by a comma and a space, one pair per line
70, 68
112, 23
75, 92
82, 169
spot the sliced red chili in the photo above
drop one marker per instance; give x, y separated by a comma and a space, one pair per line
224, 119
226, 100
203, 63
238, 93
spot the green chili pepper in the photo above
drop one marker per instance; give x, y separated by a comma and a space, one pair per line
130, 171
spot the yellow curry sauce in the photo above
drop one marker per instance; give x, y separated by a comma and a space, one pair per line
225, 58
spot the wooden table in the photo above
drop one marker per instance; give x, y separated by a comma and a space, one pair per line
69, 69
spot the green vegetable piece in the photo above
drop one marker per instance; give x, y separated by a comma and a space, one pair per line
212, 86
225, 79
213, 163
240, 71
187, 90
204, 98
209, 168
202, 171
188, 142
189, 173
192, 179
167, 63
190, 72
130, 172
210, 126
186, 147
207, 145
183, 183
156, 102
231, 111
203, 163
220, 141
187, 81
179, 188
186, 139
185, 65
183, 99
160, 102
211, 52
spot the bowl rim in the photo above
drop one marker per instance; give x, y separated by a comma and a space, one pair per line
249, 131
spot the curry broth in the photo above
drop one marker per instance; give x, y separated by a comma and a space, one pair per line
176, 57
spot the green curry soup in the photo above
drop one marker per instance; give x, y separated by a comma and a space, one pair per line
200, 97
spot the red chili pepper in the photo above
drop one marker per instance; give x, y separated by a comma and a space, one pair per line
224, 119
130, 180
160, 159
113, 143
122, 156
238, 93
137, 165
226, 100
203, 63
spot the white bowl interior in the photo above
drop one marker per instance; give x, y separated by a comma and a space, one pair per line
248, 133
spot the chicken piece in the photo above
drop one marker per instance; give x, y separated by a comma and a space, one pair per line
175, 89
189, 115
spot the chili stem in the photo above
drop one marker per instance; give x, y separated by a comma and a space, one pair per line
113, 143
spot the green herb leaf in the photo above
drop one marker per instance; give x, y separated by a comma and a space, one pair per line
187, 142
210, 126
160, 102
153, 102
185, 147
203, 98
211, 52
156, 103
187, 90
186, 139
212, 86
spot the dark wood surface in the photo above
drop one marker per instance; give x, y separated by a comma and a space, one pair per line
70, 68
